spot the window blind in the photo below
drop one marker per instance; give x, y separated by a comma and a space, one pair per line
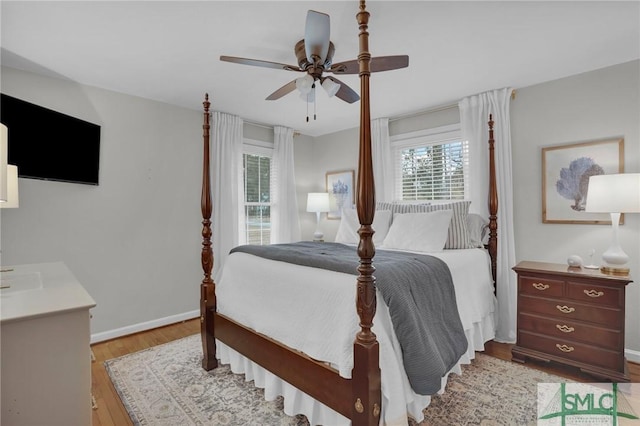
257, 198
432, 170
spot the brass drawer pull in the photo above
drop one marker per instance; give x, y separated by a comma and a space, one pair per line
565, 348
565, 328
540, 286
593, 293
565, 309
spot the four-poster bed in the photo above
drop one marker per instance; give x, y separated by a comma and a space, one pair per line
360, 396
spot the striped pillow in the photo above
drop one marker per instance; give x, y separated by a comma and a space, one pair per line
396, 207
458, 236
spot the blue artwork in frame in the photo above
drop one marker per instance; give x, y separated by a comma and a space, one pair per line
341, 192
565, 178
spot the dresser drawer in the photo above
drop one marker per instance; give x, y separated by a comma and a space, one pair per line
540, 286
571, 350
570, 310
601, 295
578, 331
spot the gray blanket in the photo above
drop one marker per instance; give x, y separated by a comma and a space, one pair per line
419, 292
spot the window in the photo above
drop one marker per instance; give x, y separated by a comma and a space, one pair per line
256, 164
431, 165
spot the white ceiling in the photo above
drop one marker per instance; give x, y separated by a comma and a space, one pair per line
169, 50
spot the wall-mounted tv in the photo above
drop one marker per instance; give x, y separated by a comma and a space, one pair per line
49, 145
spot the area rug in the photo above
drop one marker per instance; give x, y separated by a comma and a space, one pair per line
166, 386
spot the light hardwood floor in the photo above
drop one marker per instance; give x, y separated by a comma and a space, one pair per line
111, 412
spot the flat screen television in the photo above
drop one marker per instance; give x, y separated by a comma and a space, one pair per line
49, 145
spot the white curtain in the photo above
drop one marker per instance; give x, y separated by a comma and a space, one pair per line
285, 225
474, 115
382, 158
227, 187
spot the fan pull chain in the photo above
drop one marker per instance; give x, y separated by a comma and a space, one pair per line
307, 106
314, 101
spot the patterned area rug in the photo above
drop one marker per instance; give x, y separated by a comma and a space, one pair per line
166, 386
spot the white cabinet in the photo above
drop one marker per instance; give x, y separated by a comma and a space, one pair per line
45, 362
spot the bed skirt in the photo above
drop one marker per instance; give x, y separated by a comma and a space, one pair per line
297, 402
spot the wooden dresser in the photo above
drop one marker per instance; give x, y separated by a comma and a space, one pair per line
572, 315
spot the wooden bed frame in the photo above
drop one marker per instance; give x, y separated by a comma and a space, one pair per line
358, 398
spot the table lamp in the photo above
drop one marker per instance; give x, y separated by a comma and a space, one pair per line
614, 194
318, 202
12, 188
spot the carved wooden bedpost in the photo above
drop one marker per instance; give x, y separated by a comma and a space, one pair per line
208, 287
366, 373
493, 204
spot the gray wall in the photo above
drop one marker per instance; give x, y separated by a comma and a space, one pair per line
331, 153
132, 241
590, 106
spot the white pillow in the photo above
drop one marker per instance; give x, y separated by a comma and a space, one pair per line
478, 229
349, 225
458, 237
426, 232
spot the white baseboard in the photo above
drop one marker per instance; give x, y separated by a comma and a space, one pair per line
633, 356
143, 326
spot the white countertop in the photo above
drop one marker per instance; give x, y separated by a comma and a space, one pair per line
40, 289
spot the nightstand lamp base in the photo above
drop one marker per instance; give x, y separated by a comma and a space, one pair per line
611, 270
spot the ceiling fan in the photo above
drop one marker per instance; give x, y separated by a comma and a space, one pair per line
315, 55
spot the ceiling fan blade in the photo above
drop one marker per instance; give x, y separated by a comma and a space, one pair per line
259, 63
316, 36
284, 90
345, 92
378, 64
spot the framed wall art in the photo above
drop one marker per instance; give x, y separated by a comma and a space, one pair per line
341, 192
565, 178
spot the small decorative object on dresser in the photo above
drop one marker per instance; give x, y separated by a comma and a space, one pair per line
574, 261
573, 316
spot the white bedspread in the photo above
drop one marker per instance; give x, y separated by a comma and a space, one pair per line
315, 313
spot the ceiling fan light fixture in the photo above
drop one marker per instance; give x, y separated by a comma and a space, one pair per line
303, 84
314, 54
330, 86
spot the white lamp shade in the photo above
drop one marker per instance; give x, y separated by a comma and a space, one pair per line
303, 84
318, 202
330, 86
4, 152
615, 193
12, 188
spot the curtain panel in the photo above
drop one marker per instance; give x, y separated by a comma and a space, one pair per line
382, 159
228, 190
474, 117
285, 224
